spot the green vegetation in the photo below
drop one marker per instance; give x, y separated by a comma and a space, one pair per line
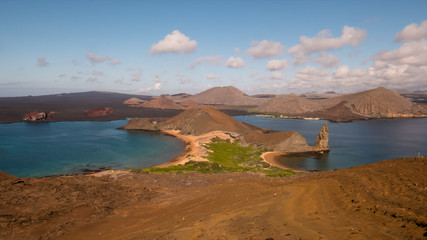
226, 156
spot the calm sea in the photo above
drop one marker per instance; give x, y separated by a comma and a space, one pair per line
354, 143
42, 149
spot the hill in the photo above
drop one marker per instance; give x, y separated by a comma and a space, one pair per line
229, 96
375, 103
208, 119
161, 103
381, 102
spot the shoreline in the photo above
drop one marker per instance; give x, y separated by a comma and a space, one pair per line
270, 158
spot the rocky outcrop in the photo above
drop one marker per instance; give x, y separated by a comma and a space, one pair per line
38, 116
99, 112
228, 96
321, 144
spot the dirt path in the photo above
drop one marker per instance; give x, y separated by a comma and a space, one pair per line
385, 200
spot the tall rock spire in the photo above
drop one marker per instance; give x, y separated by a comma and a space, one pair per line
322, 139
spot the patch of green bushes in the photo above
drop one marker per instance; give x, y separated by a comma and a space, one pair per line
226, 156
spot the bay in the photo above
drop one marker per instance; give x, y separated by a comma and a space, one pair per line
352, 144
54, 148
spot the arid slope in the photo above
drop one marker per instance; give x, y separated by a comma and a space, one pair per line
384, 200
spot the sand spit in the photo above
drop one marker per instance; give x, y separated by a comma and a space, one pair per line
384, 200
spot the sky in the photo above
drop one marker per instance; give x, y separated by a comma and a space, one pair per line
167, 47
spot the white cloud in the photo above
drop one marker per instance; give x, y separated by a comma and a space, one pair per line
214, 60
235, 62
412, 32
136, 76
265, 49
176, 42
212, 76
344, 72
41, 62
327, 60
273, 76
411, 53
156, 87
311, 73
97, 59
324, 41
274, 65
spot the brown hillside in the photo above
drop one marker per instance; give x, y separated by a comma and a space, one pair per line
161, 103
133, 101
381, 102
208, 119
293, 104
229, 96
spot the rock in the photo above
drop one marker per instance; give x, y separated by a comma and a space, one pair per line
99, 112
322, 139
38, 116
133, 101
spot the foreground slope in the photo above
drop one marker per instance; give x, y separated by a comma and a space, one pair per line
384, 200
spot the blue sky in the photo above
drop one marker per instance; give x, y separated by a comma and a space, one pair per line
155, 47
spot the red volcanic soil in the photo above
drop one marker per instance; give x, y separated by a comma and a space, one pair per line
384, 200
99, 112
161, 103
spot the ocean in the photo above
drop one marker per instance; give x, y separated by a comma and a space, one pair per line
54, 148
354, 143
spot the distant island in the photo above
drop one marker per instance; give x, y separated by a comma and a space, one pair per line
371, 104
197, 127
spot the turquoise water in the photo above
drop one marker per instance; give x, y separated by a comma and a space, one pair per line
42, 149
352, 144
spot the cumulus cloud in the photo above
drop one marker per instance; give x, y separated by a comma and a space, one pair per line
327, 60
412, 32
412, 53
212, 76
235, 62
214, 60
345, 72
97, 59
176, 42
274, 65
265, 49
156, 87
323, 41
273, 76
136, 76
41, 62
311, 73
